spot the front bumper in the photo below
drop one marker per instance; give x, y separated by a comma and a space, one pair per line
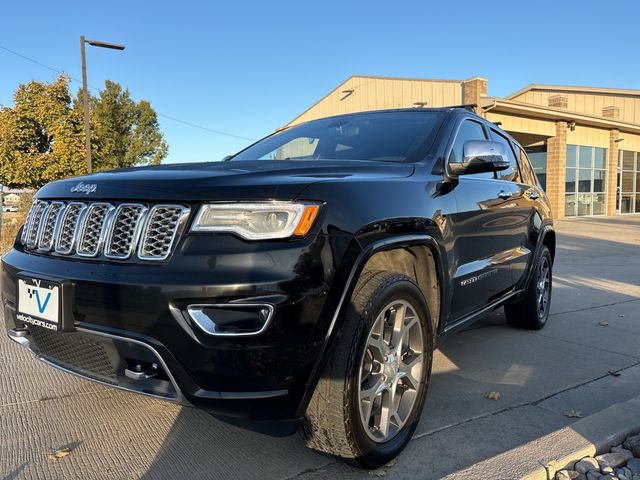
131, 315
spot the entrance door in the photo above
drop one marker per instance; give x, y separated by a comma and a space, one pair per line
629, 183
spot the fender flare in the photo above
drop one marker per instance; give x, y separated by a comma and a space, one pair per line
400, 241
544, 231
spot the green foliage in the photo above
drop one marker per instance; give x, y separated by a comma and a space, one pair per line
26, 200
124, 133
42, 135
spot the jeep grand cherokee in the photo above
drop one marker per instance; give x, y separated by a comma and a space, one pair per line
308, 277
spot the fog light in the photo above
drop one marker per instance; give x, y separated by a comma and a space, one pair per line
231, 319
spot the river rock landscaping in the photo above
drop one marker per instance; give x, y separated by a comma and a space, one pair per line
622, 462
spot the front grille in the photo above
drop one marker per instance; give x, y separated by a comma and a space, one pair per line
75, 352
103, 229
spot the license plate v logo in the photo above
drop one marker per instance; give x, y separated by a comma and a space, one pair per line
42, 306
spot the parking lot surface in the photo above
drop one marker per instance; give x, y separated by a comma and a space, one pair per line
594, 329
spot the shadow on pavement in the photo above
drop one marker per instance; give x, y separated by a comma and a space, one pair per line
15, 474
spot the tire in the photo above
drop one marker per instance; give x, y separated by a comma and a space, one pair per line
334, 421
532, 310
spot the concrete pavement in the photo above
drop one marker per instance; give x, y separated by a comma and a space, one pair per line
540, 375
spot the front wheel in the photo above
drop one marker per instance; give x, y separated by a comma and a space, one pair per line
532, 310
368, 401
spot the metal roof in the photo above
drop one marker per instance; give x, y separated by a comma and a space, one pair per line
568, 88
550, 113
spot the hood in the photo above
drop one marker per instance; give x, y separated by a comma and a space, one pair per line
239, 180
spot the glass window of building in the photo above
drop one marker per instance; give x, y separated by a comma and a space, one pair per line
538, 158
586, 181
629, 182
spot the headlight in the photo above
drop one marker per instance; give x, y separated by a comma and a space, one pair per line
257, 221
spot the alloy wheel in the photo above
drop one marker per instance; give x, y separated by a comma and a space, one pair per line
543, 287
391, 371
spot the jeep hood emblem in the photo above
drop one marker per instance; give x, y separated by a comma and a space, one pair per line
85, 188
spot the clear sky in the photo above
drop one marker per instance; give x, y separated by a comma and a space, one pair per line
247, 68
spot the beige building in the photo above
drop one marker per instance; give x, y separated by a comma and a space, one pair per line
11, 198
584, 142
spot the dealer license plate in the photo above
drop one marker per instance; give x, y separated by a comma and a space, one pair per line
39, 303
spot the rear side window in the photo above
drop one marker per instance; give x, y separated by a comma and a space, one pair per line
511, 174
469, 130
528, 175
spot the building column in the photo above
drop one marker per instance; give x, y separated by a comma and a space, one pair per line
474, 91
557, 169
612, 172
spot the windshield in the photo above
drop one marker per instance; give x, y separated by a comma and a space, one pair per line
381, 136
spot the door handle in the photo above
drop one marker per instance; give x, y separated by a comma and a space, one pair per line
505, 195
533, 195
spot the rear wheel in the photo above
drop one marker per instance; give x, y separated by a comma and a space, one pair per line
368, 401
532, 310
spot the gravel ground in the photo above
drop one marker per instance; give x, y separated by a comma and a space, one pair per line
621, 463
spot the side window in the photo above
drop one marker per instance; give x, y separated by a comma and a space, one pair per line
528, 174
512, 173
469, 130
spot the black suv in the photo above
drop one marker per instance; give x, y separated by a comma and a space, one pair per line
310, 276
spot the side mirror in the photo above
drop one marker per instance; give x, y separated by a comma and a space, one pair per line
227, 158
480, 156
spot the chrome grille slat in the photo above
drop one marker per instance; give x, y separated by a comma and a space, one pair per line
27, 224
34, 224
160, 231
66, 238
125, 230
92, 230
48, 227
103, 230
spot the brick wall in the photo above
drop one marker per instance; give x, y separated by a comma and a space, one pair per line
612, 172
474, 90
557, 169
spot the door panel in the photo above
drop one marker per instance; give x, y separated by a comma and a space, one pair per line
489, 229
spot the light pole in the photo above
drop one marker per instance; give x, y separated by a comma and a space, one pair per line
85, 93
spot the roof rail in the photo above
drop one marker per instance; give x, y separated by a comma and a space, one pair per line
467, 106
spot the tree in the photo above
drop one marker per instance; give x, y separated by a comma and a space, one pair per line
124, 133
42, 135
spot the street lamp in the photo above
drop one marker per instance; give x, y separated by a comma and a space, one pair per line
85, 93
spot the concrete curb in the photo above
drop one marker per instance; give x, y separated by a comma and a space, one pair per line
540, 459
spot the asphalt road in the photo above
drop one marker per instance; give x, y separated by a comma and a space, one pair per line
114, 434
